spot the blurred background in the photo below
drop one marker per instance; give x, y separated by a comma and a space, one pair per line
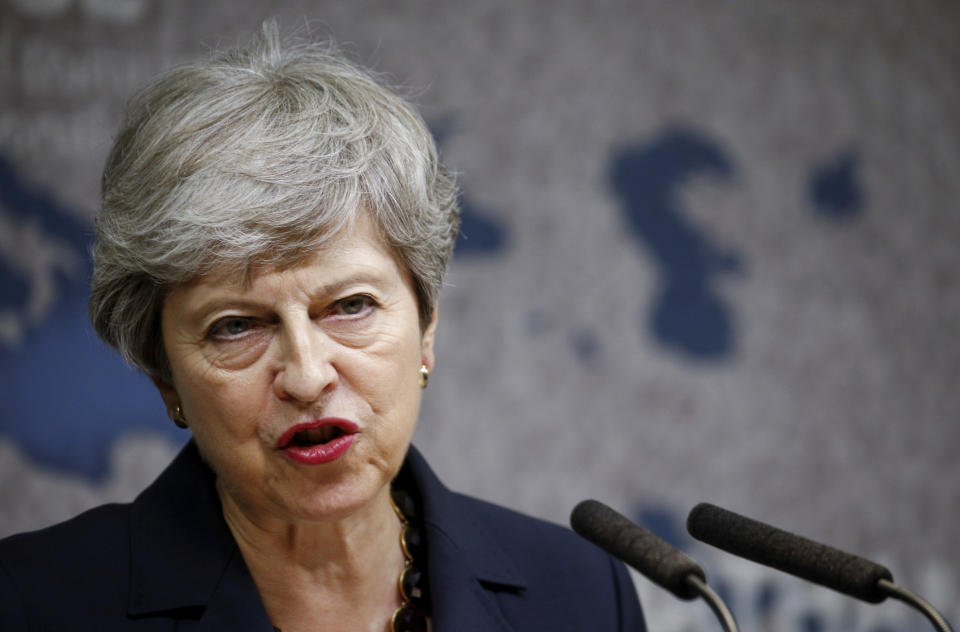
710, 253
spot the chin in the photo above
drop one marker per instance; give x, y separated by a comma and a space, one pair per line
335, 501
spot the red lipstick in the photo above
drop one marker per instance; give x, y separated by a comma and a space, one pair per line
318, 442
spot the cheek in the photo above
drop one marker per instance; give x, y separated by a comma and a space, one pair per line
390, 385
392, 365
224, 407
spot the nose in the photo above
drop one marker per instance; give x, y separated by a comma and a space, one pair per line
306, 371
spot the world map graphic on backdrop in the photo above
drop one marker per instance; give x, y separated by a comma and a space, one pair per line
58, 376
688, 315
57, 371
795, 155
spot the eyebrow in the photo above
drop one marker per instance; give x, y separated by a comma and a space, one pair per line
200, 312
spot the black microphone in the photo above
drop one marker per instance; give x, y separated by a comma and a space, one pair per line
658, 561
799, 556
809, 560
617, 535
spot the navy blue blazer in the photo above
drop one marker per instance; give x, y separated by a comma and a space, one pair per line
168, 561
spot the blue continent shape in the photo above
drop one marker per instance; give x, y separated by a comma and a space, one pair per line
835, 189
67, 396
481, 234
688, 315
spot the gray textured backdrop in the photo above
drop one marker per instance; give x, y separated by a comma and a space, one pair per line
712, 254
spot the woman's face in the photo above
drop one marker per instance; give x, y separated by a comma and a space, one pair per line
301, 385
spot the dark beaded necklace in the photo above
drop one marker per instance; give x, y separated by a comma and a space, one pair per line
413, 615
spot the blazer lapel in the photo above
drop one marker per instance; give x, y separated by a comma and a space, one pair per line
465, 567
460, 602
234, 605
185, 563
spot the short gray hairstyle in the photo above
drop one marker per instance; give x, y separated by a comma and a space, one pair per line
254, 159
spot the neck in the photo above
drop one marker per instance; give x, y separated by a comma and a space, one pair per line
344, 569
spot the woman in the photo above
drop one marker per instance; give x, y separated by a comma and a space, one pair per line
274, 233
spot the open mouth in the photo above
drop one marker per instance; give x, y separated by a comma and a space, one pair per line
318, 442
316, 433
316, 436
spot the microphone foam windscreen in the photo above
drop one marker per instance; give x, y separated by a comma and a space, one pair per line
617, 535
784, 551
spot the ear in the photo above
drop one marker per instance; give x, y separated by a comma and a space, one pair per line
426, 341
167, 392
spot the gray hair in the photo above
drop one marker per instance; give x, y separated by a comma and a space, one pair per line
255, 158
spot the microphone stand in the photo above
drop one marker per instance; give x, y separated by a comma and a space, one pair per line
904, 595
716, 604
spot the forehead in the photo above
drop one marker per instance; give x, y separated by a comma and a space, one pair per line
355, 256
356, 245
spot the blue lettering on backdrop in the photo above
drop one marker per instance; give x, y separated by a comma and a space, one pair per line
68, 396
834, 188
688, 315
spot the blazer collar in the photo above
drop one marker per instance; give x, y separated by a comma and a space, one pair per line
184, 559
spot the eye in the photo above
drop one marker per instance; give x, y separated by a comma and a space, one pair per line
229, 327
353, 305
